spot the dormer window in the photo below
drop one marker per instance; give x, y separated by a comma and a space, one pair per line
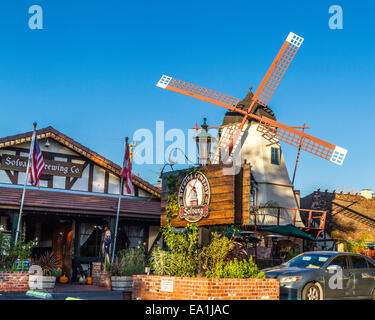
275, 155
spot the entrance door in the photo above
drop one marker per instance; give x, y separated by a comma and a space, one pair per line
62, 245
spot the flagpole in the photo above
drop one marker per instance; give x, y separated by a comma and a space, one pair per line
118, 211
24, 186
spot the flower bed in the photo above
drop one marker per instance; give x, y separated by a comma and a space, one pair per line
147, 287
14, 281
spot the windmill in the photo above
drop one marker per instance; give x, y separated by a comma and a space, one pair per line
251, 124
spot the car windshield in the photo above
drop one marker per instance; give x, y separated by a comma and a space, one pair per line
310, 261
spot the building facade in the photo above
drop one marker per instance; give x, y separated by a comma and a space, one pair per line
77, 201
349, 215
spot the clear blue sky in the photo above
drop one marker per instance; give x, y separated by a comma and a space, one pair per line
91, 73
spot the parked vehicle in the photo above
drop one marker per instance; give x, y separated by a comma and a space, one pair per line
319, 275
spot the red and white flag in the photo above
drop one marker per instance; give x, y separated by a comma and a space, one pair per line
126, 172
37, 164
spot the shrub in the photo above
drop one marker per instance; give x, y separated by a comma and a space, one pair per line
215, 253
49, 264
133, 260
358, 245
160, 262
10, 252
183, 248
236, 269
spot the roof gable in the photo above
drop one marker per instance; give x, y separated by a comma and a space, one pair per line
75, 146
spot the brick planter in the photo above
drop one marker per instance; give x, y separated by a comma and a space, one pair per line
96, 270
14, 281
105, 280
150, 288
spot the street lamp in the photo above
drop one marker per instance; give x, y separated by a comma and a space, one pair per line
203, 140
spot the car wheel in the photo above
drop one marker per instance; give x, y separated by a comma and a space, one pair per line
311, 292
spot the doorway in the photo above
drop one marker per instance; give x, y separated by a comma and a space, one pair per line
62, 245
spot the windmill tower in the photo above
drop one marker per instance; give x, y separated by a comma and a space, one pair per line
272, 185
250, 130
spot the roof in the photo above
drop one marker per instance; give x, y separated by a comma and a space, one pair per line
56, 135
260, 110
351, 215
64, 202
288, 230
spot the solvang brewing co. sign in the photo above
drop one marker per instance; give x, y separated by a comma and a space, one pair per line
194, 197
56, 168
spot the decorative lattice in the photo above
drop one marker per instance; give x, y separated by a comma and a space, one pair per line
201, 93
277, 69
275, 130
228, 135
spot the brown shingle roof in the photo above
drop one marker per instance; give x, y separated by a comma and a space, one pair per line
61, 202
51, 132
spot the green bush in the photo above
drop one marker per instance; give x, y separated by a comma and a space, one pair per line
185, 259
9, 252
183, 248
215, 253
134, 261
160, 262
236, 270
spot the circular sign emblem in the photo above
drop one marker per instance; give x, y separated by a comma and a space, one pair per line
194, 197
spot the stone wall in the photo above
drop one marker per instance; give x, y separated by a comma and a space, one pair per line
150, 288
14, 281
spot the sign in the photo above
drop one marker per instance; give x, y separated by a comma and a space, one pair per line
55, 168
194, 197
166, 284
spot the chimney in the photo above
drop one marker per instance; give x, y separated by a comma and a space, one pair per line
297, 194
366, 193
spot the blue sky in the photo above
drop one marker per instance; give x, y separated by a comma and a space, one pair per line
91, 73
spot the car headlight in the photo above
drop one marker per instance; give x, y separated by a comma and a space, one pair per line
289, 279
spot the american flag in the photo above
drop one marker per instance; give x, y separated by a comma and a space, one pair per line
126, 172
37, 164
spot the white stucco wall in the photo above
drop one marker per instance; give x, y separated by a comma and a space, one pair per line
59, 182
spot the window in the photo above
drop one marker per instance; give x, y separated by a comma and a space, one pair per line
341, 261
371, 264
311, 261
130, 235
89, 240
275, 155
359, 262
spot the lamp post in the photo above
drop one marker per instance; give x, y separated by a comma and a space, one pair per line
203, 140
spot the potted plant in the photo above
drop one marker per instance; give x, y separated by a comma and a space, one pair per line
129, 262
45, 279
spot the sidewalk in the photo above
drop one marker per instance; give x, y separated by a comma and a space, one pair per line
63, 291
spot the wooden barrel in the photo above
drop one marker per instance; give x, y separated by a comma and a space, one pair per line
123, 283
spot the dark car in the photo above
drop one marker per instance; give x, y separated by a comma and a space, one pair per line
319, 275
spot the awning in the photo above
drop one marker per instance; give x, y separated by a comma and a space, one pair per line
288, 230
240, 233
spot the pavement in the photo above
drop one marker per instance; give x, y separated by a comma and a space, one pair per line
61, 292
93, 295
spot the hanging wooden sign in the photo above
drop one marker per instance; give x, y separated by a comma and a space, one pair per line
194, 197
56, 168
210, 196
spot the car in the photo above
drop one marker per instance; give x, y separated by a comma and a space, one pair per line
325, 275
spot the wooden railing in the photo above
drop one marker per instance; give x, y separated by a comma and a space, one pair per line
312, 221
